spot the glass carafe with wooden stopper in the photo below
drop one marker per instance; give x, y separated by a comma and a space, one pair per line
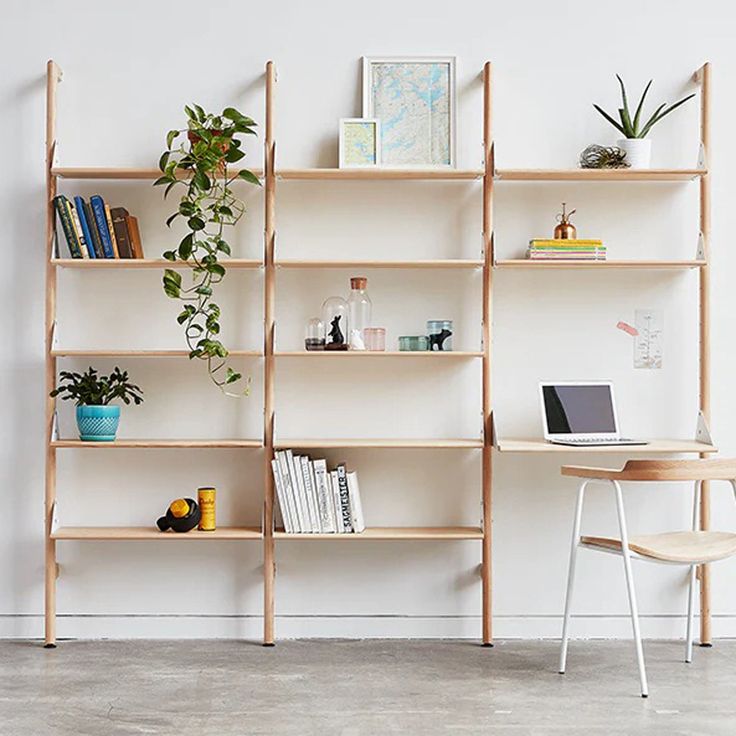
360, 309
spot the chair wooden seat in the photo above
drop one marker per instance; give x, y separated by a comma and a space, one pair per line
663, 470
682, 547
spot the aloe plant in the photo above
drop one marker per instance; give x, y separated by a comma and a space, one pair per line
632, 127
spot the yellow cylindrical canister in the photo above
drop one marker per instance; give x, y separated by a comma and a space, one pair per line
206, 501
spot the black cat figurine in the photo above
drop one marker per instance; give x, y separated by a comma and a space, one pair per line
437, 341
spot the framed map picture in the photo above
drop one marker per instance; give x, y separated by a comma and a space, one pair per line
414, 99
360, 142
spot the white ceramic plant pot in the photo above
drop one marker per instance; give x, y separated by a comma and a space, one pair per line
638, 151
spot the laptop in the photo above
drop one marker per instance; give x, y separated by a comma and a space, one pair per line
581, 414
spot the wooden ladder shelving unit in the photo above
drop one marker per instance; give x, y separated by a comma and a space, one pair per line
701, 444
485, 443
271, 263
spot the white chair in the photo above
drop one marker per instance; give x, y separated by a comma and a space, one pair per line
690, 548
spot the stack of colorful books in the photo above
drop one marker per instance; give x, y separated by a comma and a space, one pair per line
94, 230
566, 250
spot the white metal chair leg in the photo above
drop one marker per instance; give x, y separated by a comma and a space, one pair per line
626, 554
692, 580
690, 615
571, 575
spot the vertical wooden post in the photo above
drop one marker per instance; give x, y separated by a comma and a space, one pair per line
53, 77
703, 77
269, 563
487, 305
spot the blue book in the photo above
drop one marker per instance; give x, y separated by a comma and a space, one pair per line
98, 208
79, 202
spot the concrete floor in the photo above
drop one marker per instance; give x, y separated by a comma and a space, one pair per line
354, 688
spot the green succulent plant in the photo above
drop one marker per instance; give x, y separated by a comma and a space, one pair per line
91, 389
633, 127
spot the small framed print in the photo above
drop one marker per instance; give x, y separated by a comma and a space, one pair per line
360, 142
414, 98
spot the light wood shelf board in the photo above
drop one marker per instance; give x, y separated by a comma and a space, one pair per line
379, 173
446, 263
141, 443
593, 265
113, 353
365, 354
395, 533
123, 173
319, 444
136, 533
145, 263
611, 175
654, 446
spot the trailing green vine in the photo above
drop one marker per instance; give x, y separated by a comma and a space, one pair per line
198, 162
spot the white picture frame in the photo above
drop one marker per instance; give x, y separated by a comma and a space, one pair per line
348, 161
397, 153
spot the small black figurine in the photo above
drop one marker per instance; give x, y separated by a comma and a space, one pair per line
337, 339
437, 341
182, 515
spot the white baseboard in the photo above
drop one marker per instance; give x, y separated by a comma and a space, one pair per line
135, 626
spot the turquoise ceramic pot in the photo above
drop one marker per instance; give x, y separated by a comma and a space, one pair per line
98, 423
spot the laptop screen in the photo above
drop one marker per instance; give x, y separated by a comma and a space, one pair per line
579, 409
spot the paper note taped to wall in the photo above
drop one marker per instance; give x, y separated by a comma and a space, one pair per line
648, 340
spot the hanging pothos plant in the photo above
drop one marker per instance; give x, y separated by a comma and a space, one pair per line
198, 162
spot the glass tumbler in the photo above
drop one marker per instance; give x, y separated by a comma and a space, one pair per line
375, 338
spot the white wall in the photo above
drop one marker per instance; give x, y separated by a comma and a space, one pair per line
128, 70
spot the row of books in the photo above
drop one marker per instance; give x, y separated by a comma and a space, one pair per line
94, 230
566, 250
314, 499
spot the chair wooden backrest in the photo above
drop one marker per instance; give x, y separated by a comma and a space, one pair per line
660, 470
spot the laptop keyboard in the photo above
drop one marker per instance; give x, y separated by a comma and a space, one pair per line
594, 441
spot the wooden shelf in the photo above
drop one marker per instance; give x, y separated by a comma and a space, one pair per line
447, 263
592, 265
126, 443
654, 447
122, 173
611, 175
446, 174
113, 353
97, 173
145, 263
323, 444
365, 354
136, 533
396, 533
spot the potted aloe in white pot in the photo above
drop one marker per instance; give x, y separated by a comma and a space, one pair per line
635, 144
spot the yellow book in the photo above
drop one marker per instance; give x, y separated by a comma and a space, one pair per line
566, 243
108, 217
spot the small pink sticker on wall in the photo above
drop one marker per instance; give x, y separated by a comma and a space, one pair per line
627, 328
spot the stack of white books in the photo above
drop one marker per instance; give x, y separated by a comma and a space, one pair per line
315, 500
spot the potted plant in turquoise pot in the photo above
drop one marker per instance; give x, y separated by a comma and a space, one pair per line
97, 417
